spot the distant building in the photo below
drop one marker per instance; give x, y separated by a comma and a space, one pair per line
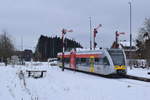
27, 55
130, 52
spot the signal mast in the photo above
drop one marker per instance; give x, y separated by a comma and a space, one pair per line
117, 34
64, 31
94, 35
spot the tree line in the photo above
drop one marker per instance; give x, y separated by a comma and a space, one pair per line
48, 47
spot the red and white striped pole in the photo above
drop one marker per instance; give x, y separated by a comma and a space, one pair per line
63, 49
94, 35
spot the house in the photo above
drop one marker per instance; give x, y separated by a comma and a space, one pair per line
27, 55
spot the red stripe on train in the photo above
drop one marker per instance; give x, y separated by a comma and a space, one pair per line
82, 55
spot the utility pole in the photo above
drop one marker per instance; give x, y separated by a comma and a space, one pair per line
90, 34
130, 53
63, 49
130, 5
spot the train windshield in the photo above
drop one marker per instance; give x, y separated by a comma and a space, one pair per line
117, 57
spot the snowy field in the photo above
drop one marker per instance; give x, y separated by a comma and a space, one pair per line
68, 85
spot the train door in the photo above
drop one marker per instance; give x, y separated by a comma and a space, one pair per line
91, 63
73, 60
106, 66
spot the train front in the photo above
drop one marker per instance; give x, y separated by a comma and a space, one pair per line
119, 60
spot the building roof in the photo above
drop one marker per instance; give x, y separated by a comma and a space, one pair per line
127, 44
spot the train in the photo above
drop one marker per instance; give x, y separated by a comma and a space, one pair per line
102, 61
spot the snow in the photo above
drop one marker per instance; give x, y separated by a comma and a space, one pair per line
139, 72
67, 85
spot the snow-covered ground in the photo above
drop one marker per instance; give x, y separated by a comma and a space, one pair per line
67, 85
139, 72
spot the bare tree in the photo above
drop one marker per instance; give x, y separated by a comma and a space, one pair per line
143, 40
6, 45
144, 32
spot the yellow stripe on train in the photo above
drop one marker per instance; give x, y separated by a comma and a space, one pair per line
91, 69
117, 67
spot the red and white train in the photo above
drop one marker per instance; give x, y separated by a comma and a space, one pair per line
103, 61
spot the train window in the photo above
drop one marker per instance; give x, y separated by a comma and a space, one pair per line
117, 56
66, 60
105, 61
78, 61
83, 60
98, 61
101, 61
87, 61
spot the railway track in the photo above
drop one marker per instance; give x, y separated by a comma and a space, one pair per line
115, 76
136, 78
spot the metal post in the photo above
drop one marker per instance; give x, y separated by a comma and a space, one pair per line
130, 53
94, 36
63, 50
90, 34
94, 43
130, 25
116, 45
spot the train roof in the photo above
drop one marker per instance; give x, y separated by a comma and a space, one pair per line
98, 51
83, 52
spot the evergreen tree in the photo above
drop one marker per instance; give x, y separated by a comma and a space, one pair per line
48, 47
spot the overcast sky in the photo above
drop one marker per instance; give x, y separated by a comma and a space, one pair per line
31, 18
